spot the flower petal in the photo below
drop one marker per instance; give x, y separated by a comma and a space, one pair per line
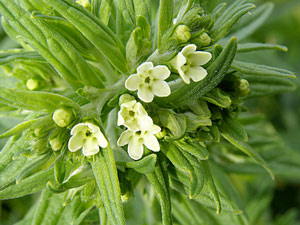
135, 148
144, 67
199, 58
160, 72
90, 147
151, 142
188, 49
196, 73
178, 61
140, 109
132, 82
161, 88
184, 77
93, 128
145, 122
101, 140
124, 138
145, 94
75, 142
154, 129
78, 127
120, 118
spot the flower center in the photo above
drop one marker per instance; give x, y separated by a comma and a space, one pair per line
131, 113
88, 133
147, 80
138, 132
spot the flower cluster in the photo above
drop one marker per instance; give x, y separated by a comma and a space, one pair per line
140, 128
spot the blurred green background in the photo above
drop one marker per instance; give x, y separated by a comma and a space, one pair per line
267, 202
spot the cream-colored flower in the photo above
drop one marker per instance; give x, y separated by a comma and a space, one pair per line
137, 139
149, 81
88, 137
188, 63
133, 116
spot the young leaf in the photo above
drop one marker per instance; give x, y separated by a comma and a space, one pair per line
249, 47
217, 97
145, 165
165, 19
36, 100
260, 70
19, 55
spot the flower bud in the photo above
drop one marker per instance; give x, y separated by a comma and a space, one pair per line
161, 134
125, 98
55, 144
63, 117
244, 88
182, 33
84, 3
32, 84
204, 39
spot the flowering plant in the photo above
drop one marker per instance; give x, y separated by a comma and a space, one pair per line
123, 99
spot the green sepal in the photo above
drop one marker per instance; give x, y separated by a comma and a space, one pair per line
34, 100
29, 185
176, 123
200, 108
102, 9
216, 72
145, 165
194, 121
218, 98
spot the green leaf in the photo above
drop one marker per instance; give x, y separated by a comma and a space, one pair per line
106, 176
260, 70
216, 72
193, 148
29, 185
19, 55
253, 21
247, 149
165, 21
102, 9
69, 64
34, 100
94, 30
232, 126
229, 18
159, 181
145, 165
143, 8
25, 125
249, 47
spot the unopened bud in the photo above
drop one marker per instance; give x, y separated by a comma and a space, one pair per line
32, 84
63, 117
244, 88
55, 144
126, 196
161, 134
204, 39
182, 33
125, 98
84, 3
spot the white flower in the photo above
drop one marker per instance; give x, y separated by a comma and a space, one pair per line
136, 140
149, 81
88, 137
133, 116
188, 63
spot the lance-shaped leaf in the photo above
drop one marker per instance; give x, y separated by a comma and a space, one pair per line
143, 8
188, 164
249, 47
51, 45
34, 100
145, 165
159, 181
193, 148
229, 18
230, 125
216, 72
29, 185
94, 30
260, 70
19, 55
165, 19
230, 136
102, 9
105, 172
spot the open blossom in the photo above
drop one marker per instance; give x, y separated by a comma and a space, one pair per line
149, 81
88, 137
137, 139
133, 116
188, 63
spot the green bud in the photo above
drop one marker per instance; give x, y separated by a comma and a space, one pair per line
125, 98
204, 39
182, 33
32, 84
63, 117
244, 88
126, 196
161, 134
55, 144
84, 3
